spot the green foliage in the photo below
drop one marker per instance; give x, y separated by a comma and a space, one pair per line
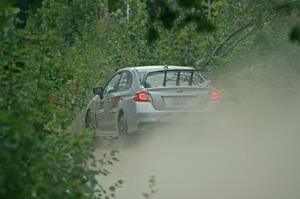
295, 34
42, 153
48, 68
290, 9
176, 15
7, 13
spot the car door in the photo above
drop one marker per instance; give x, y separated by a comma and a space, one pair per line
117, 99
103, 113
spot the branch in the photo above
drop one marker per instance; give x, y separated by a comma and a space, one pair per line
244, 36
205, 62
228, 37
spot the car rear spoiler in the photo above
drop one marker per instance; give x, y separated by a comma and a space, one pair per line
202, 72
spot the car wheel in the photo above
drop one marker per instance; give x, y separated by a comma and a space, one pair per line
122, 126
89, 120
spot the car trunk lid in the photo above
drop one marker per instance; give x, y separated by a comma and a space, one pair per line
177, 89
179, 97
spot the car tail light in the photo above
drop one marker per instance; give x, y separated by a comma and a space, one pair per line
142, 96
214, 95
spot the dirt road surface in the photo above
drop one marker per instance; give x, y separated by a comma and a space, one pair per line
238, 156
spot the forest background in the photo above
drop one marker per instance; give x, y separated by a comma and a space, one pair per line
53, 52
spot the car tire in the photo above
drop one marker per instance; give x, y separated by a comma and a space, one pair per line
122, 125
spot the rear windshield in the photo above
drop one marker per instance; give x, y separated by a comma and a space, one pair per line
173, 78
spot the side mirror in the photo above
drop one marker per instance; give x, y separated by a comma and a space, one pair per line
98, 91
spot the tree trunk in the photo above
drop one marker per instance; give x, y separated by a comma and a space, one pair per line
209, 2
174, 5
127, 12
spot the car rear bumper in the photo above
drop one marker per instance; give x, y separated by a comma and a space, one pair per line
175, 117
146, 114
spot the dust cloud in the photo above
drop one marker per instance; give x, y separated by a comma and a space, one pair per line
249, 151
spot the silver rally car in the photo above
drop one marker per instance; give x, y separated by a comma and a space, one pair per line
138, 96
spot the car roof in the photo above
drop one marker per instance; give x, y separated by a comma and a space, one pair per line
143, 69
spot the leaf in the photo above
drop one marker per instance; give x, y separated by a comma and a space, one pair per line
152, 34
295, 34
146, 195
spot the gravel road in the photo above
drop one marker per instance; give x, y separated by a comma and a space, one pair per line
239, 156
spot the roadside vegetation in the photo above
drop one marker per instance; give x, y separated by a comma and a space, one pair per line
52, 53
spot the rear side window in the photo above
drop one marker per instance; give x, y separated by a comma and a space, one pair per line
125, 82
173, 78
185, 78
190, 78
154, 80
